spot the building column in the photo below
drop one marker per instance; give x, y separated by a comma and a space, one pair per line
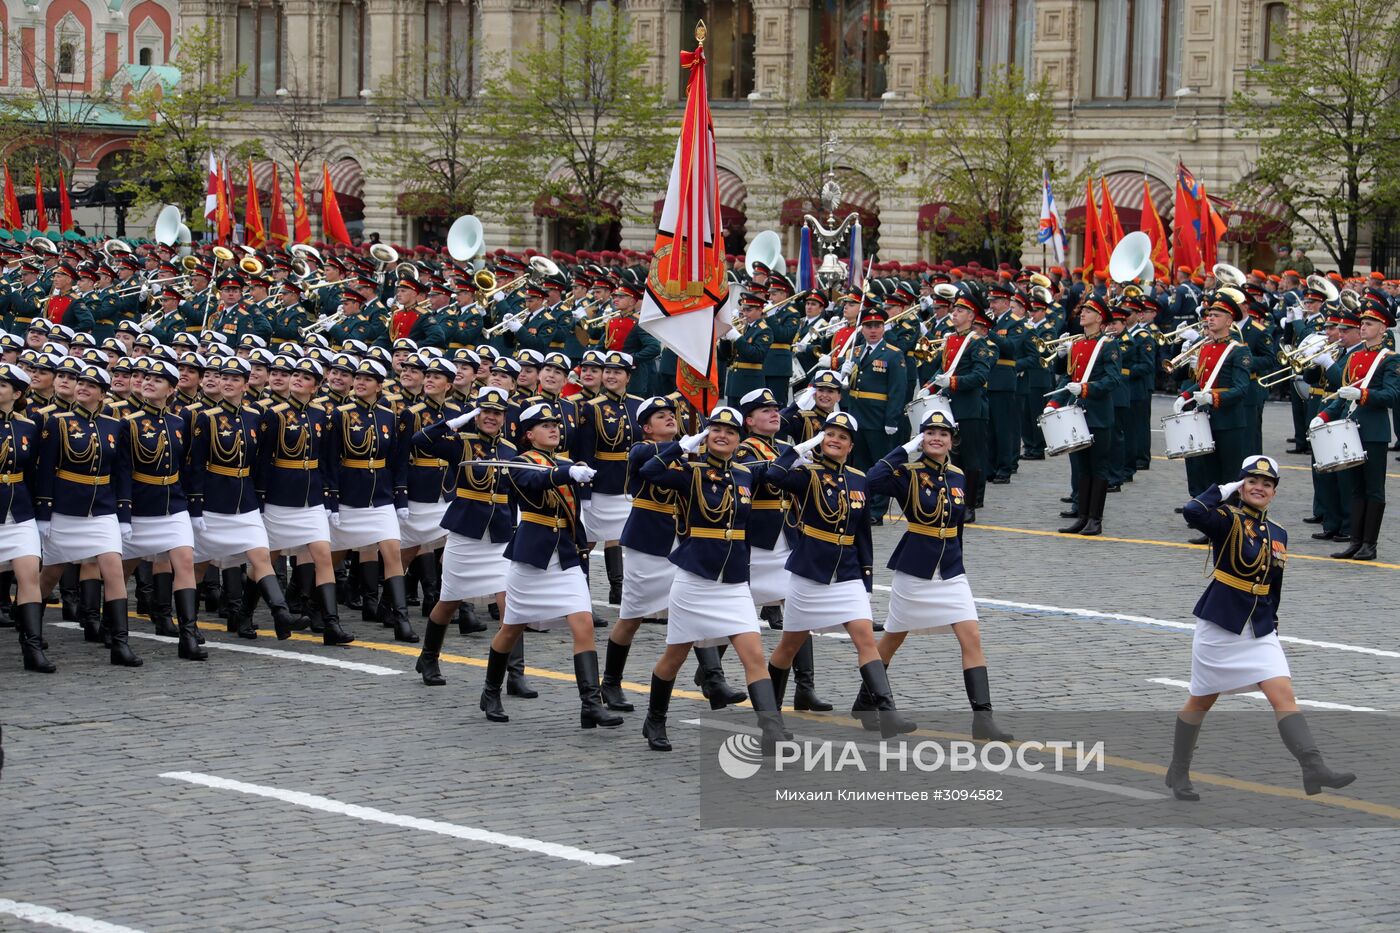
779, 74
911, 54
656, 26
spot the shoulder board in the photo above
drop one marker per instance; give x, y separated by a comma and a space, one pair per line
281, 406
347, 406
596, 400
252, 408
636, 398
506, 446
133, 415
954, 469
418, 406
57, 414
740, 467
855, 471
21, 418
762, 325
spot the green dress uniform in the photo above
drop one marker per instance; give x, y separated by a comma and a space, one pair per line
783, 324
1095, 364
1229, 423
904, 336
428, 331
967, 395
235, 321
1118, 470
365, 326
1008, 335
544, 330
1328, 502
1034, 378
503, 306
745, 354
287, 322
878, 389
24, 304
104, 313
463, 326
1263, 359
1142, 374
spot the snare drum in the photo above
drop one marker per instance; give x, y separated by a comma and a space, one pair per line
1188, 434
924, 404
1066, 430
1336, 446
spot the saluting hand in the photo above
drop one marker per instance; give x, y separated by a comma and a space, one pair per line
460, 421
807, 400
1229, 489
691, 442
912, 447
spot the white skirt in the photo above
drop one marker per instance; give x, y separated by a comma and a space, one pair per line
543, 599
472, 568
706, 612
423, 527
291, 528
75, 538
604, 516
364, 527
646, 585
925, 606
1223, 662
768, 573
154, 536
19, 539
226, 538
823, 607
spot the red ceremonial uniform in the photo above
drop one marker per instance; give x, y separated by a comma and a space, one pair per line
401, 323
57, 307
1207, 362
842, 336
1359, 363
617, 332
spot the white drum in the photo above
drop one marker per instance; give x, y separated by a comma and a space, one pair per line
1066, 430
1336, 446
924, 404
1187, 434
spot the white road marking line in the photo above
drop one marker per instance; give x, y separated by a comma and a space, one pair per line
37, 913
1256, 695
370, 814
1120, 790
266, 652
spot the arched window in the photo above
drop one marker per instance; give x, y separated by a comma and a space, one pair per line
985, 36
1275, 25
352, 47
850, 45
67, 61
260, 48
729, 44
144, 57
1137, 48
450, 31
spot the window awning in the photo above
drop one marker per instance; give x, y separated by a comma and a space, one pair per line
548, 204
733, 199
1263, 220
1125, 188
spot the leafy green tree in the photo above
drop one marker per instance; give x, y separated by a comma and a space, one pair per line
1325, 112
47, 118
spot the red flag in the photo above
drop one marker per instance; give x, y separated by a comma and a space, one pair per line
301, 224
1112, 229
253, 233
1185, 227
687, 278
277, 215
1096, 251
13, 219
1151, 224
65, 210
332, 224
1212, 229
41, 218
228, 217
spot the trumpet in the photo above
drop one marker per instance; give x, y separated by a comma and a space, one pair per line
1191, 349
497, 329
1295, 360
155, 318
1177, 333
323, 324
926, 350
1051, 346
137, 288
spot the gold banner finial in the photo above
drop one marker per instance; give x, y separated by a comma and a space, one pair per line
700, 32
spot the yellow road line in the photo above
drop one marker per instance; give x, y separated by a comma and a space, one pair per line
1146, 767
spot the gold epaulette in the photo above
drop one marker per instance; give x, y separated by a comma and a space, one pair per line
417, 407
347, 406
281, 406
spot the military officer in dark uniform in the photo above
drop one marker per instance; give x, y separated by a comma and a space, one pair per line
358, 323
746, 349
783, 323
963, 372
287, 314
1007, 333
803, 418
876, 396
606, 432
463, 324
1035, 375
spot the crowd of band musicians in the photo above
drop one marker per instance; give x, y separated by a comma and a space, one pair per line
322, 431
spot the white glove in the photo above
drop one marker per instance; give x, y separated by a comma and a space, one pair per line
513, 325
402, 514
1350, 393
1229, 489
691, 442
926, 302
1075, 388
197, 523
810, 443
913, 446
1314, 424
808, 399
1048, 409
824, 361
580, 314
460, 421
1326, 361
1202, 399
1190, 334
43, 527
802, 345
1062, 350
804, 457
943, 380
498, 297
848, 367
891, 430
126, 532
334, 519
730, 334
1179, 405
582, 473
1294, 313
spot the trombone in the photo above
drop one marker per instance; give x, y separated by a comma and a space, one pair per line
1295, 360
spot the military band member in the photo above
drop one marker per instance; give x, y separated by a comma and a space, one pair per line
359, 323
1370, 386
831, 563
877, 391
75, 502
709, 601
1007, 333
545, 585
233, 318
1114, 327
802, 420
1142, 375
930, 591
1258, 332
607, 430
744, 346
1093, 369
783, 323
1035, 375
963, 372
463, 323
287, 313
1236, 646
20, 545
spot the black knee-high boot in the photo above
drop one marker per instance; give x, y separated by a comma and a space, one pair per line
304, 583
398, 610
770, 719
282, 621
1294, 731
1179, 771
613, 664
411, 580
1084, 494
979, 695
612, 562
187, 611
427, 664
232, 589
7, 582
466, 619
90, 610
162, 588
369, 590
1358, 529
332, 633
877, 684
29, 620
709, 675
430, 579
115, 617
516, 684
1098, 494
1370, 531
804, 678
211, 588
654, 727
491, 690
779, 677
145, 590
68, 592
591, 711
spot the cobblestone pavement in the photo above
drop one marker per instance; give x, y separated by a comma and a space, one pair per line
88, 826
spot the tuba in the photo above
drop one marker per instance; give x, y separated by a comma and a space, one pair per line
466, 239
766, 248
1226, 275
1321, 283
167, 229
